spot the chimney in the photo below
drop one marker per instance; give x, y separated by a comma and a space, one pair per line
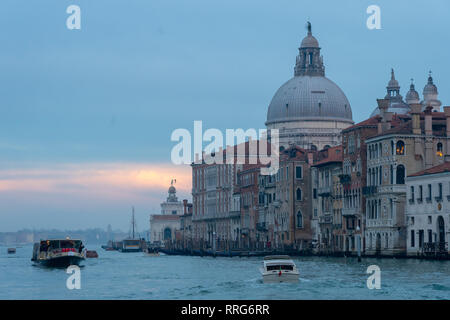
416, 109
185, 203
428, 120
310, 158
447, 117
383, 105
388, 117
379, 126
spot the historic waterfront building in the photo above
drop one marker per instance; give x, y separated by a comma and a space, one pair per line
353, 180
309, 110
404, 145
163, 226
327, 189
285, 206
428, 211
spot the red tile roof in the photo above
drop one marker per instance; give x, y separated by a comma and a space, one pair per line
373, 121
331, 155
445, 167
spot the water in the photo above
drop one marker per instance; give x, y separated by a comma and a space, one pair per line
116, 275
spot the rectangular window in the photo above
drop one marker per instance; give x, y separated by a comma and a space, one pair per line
411, 199
420, 193
315, 193
430, 236
440, 191
287, 173
298, 172
429, 193
421, 236
412, 239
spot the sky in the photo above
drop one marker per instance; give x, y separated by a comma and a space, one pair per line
86, 115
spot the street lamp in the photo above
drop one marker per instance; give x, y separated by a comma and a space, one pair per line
358, 244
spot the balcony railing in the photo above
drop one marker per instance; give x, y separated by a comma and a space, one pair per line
438, 199
345, 178
324, 191
433, 248
349, 211
327, 218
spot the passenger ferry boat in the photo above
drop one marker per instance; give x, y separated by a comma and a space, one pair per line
279, 269
58, 253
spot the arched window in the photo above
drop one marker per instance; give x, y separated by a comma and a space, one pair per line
439, 152
392, 147
400, 147
167, 234
314, 147
299, 194
299, 220
400, 174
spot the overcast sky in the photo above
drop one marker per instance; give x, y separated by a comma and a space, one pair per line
86, 115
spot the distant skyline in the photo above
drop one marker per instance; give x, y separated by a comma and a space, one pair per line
86, 115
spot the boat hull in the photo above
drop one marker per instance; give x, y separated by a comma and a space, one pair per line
277, 277
61, 262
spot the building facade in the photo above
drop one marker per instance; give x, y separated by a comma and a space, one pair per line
428, 211
163, 227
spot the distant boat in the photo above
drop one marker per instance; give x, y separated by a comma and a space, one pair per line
91, 254
11, 250
132, 244
152, 252
58, 253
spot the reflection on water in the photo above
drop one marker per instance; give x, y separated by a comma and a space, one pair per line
117, 275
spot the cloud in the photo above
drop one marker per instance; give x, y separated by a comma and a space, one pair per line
51, 195
95, 177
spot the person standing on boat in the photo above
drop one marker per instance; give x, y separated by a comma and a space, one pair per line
80, 250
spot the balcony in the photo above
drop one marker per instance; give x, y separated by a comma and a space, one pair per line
419, 200
235, 214
448, 198
369, 190
261, 226
428, 200
345, 178
411, 201
324, 191
350, 211
438, 198
327, 218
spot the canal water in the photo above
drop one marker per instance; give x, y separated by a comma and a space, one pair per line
116, 275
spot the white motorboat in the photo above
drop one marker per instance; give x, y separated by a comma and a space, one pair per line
279, 269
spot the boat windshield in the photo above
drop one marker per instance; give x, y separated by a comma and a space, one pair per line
280, 267
60, 244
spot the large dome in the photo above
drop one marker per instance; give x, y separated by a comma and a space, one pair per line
309, 98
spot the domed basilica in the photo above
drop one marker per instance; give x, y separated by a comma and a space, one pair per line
309, 110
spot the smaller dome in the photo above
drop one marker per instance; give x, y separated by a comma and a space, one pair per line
412, 96
309, 41
430, 88
393, 83
172, 189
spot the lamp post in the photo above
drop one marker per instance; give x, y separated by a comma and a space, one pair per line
358, 243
